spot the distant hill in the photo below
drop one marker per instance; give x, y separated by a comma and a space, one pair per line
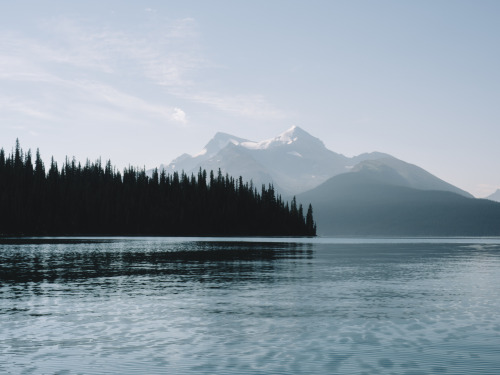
397, 172
381, 201
294, 162
495, 196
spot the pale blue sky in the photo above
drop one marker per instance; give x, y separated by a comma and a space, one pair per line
140, 82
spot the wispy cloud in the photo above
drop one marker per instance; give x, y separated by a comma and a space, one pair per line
126, 102
165, 56
88, 62
18, 68
24, 107
62, 76
179, 115
253, 106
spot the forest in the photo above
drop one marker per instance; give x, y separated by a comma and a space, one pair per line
97, 200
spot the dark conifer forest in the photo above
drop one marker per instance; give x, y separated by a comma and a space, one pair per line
96, 199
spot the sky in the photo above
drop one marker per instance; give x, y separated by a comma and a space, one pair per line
141, 82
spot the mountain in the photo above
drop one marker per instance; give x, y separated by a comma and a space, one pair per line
369, 194
495, 196
187, 162
226, 152
381, 201
294, 162
398, 172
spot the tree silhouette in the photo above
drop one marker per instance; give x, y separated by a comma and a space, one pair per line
98, 200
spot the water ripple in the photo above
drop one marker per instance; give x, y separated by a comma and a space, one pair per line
130, 306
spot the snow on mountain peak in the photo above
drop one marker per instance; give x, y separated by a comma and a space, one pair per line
286, 138
218, 142
296, 161
289, 136
201, 153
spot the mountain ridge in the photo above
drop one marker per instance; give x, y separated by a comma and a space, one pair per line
294, 162
369, 202
495, 196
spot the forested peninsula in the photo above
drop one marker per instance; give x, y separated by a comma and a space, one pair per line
97, 200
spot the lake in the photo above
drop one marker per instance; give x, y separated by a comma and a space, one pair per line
250, 306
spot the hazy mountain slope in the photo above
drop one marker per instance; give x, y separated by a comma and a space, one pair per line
414, 177
236, 161
495, 196
294, 162
298, 161
188, 163
371, 202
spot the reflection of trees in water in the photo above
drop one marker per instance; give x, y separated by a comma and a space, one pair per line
58, 260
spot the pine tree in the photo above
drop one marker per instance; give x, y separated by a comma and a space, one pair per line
97, 200
310, 225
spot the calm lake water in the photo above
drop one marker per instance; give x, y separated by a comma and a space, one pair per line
249, 306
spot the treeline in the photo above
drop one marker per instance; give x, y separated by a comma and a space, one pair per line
96, 199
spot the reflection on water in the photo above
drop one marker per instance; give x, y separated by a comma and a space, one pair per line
222, 306
65, 260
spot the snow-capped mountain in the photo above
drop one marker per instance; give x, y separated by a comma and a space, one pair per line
294, 162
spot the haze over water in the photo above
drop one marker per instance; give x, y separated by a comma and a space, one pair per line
250, 306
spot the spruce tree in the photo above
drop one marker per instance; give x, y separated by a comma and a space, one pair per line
310, 225
97, 200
